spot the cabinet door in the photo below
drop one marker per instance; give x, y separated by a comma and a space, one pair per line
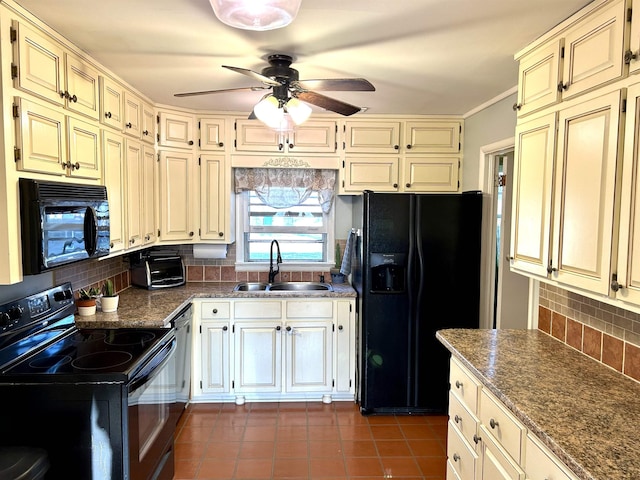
149, 200
42, 142
538, 77
178, 196
308, 359
462, 458
541, 464
132, 114
313, 137
258, 356
114, 180
433, 136
431, 174
212, 133
81, 91
254, 136
584, 193
111, 103
371, 137
634, 45
40, 64
594, 50
176, 130
628, 271
494, 463
379, 174
215, 357
84, 149
135, 195
148, 132
214, 195
532, 199
345, 346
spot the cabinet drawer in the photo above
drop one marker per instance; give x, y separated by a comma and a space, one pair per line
464, 421
451, 472
209, 310
258, 310
309, 309
496, 464
462, 458
506, 429
465, 385
541, 464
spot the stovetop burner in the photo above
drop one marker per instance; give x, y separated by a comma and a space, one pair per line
130, 337
101, 360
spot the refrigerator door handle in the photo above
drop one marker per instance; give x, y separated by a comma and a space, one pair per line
417, 304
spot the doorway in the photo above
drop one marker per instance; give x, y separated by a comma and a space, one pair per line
505, 296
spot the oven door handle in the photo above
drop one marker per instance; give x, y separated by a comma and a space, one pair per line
153, 367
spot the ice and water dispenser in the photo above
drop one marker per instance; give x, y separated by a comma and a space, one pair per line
388, 272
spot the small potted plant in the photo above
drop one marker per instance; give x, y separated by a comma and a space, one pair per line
86, 302
336, 276
109, 299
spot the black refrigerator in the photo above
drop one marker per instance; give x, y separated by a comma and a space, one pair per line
416, 268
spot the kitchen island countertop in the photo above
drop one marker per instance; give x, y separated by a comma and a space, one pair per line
139, 307
583, 411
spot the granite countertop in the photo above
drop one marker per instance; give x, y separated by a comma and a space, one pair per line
585, 412
154, 308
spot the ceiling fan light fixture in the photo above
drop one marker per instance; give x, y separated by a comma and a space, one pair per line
257, 15
297, 110
268, 111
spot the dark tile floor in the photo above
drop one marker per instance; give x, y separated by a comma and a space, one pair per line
307, 440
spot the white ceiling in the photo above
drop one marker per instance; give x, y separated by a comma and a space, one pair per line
423, 56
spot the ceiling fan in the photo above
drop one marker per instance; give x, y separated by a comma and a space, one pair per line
285, 83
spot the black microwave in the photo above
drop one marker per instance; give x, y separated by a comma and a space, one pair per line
62, 223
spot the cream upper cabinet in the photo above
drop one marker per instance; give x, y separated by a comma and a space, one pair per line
310, 137
114, 180
135, 193
148, 123
538, 78
148, 184
111, 103
594, 50
215, 218
82, 92
437, 136
430, 173
371, 137
626, 284
533, 195
84, 149
212, 134
377, 173
132, 111
176, 130
584, 203
633, 54
178, 196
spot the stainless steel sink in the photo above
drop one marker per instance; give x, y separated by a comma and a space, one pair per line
283, 287
251, 287
300, 287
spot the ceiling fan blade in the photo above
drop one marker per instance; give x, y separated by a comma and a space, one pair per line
336, 85
254, 75
327, 103
224, 90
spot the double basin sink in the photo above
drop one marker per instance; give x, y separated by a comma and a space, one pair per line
283, 287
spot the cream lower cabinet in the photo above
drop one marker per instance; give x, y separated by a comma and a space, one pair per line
487, 442
255, 349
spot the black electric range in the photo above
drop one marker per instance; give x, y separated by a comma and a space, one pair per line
101, 402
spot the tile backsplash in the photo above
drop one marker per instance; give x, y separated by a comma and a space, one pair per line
608, 334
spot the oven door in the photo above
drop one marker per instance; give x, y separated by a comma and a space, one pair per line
152, 417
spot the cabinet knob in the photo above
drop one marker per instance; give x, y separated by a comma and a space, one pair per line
280, 146
73, 99
395, 185
147, 237
225, 328
396, 147
457, 418
221, 144
517, 106
278, 328
190, 142
128, 125
562, 86
615, 286
191, 234
476, 439
408, 185
291, 145
214, 311
65, 165
288, 328
111, 245
108, 114
551, 269
340, 327
221, 234
456, 457
458, 384
63, 94
409, 147
493, 424
132, 241
629, 55
146, 132
75, 166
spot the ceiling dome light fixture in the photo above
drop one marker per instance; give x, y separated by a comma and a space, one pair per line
257, 15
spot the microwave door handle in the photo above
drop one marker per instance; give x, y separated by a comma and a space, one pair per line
90, 231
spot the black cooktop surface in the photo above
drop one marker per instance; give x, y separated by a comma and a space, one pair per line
86, 354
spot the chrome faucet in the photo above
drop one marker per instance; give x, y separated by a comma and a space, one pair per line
272, 272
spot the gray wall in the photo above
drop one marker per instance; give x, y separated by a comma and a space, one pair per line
495, 123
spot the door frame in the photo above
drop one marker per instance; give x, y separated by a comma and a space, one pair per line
486, 169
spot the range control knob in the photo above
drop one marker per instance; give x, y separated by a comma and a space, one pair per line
15, 312
4, 319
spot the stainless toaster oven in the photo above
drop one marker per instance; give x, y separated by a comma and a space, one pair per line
158, 272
